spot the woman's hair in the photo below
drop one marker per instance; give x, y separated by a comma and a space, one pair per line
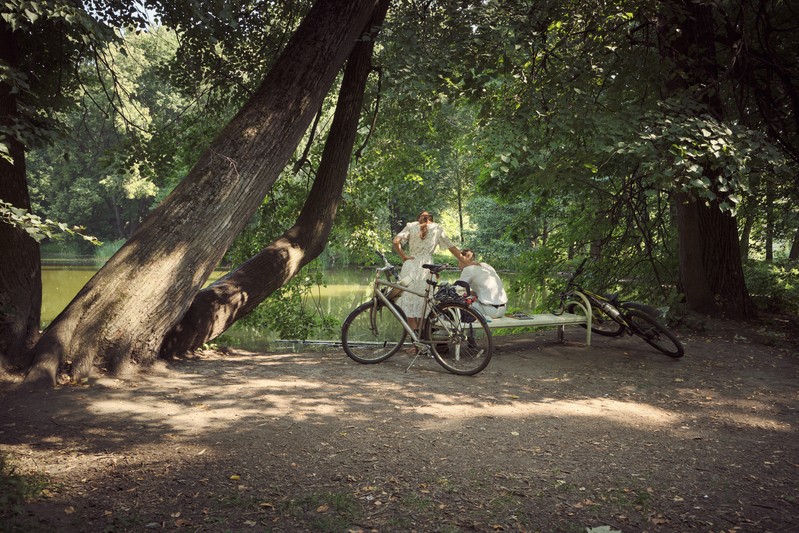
464, 251
429, 215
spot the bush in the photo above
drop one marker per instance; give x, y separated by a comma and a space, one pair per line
104, 252
289, 313
774, 287
64, 249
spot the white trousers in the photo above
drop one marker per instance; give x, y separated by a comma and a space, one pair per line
489, 311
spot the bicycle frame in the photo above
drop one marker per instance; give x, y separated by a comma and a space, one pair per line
599, 301
377, 294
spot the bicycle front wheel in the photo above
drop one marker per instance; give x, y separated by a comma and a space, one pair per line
460, 339
371, 334
601, 323
654, 333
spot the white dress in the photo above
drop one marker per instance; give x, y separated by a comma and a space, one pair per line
422, 252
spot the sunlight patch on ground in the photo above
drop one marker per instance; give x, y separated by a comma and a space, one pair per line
623, 413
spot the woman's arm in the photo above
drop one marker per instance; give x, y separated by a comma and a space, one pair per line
397, 242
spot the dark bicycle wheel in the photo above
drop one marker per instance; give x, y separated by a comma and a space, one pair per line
372, 334
462, 342
654, 333
601, 323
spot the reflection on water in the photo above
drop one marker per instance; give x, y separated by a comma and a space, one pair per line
346, 289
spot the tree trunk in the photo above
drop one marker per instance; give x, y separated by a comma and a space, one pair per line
793, 255
746, 235
711, 271
711, 274
20, 266
235, 295
770, 221
126, 309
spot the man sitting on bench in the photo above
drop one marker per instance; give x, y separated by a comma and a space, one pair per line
485, 284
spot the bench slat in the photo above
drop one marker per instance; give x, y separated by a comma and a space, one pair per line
543, 319
549, 319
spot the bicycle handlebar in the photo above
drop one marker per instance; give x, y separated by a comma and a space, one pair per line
388, 268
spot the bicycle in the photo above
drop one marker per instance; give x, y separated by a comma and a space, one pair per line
456, 335
612, 317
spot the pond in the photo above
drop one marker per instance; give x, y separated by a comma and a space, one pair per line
345, 289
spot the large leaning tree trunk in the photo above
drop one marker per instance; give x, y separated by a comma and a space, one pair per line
20, 270
233, 296
126, 309
711, 271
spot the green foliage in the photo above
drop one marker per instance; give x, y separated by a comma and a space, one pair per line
503, 230
684, 150
39, 229
104, 252
292, 311
774, 286
126, 144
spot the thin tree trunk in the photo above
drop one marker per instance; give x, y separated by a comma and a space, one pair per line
769, 221
460, 204
794, 253
235, 295
746, 235
126, 309
20, 265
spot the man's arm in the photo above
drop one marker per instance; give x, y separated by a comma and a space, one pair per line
457, 253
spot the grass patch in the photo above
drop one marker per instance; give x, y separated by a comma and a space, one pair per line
15, 490
418, 503
331, 511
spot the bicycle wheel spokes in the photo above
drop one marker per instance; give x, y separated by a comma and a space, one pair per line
654, 333
461, 340
372, 335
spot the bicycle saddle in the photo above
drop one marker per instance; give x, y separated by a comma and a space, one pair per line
435, 269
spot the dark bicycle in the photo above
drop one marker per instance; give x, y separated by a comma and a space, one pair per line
612, 317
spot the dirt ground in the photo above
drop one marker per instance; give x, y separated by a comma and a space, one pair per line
550, 437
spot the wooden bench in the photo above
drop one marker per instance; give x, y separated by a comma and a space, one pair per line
550, 319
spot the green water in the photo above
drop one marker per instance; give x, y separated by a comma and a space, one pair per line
345, 289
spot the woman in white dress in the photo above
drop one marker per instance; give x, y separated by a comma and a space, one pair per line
422, 238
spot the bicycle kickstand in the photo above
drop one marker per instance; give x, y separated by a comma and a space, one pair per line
421, 349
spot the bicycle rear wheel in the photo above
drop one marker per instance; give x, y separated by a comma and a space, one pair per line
372, 334
654, 333
461, 340
601, 323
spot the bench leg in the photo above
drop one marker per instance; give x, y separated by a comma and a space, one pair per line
561, 332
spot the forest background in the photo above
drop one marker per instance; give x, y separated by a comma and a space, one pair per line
536, 132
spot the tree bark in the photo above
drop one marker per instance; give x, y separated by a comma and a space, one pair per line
770, 221
20, 265
217, 307
793, 255
711, 271
123, 313
746, 235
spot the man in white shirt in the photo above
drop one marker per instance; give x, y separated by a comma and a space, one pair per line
485, 284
